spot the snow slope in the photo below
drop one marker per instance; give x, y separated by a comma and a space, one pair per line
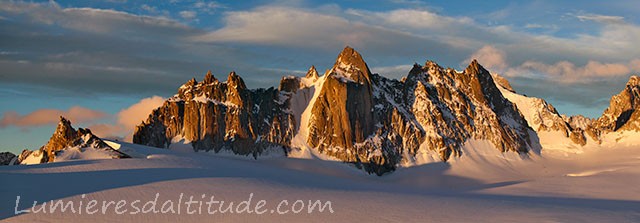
599, 185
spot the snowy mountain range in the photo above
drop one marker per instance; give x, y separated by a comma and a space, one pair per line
352, 115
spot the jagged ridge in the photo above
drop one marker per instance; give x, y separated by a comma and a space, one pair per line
66, 138
356, 116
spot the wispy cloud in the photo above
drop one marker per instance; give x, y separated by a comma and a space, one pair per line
568, 73
125, 120
209, 7
189, 15
563, 72
607, 19
43, 117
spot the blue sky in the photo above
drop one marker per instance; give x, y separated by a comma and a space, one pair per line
101, 62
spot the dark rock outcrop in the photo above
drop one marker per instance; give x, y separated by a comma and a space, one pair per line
7, 158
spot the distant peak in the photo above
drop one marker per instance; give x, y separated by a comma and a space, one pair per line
312, 73
209, 78
232, 77
234, 80
64, 121
431, 63
503, 82
64, 125
192, 82
474, 62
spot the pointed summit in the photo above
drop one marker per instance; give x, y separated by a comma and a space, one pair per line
60, 139
312, 73
66, 136
233, 80
351, 65
209, 78
474, 67
64, 129
634, 80
191, 82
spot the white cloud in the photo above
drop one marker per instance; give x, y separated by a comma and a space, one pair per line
104, 21
155, 52
207, 6
189, 15
561, 72
303, 29
568, 73
412, 18
151, 9
607, 19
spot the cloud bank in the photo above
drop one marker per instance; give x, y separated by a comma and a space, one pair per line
43, 117
125, 120
91, 51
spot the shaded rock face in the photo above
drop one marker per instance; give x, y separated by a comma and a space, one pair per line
355, 116
7, 158
622, 113
65, 137
214, 115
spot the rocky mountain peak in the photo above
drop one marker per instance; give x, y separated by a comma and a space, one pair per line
235, 81
634, 80
351, 67
66, 137
415, 70
61, 137
474, 68
430, 64
312, 73
64, 127
191, 82
209, 78
624, 109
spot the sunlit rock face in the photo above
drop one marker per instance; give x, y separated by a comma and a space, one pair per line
72, 144
351, 114
215, 115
